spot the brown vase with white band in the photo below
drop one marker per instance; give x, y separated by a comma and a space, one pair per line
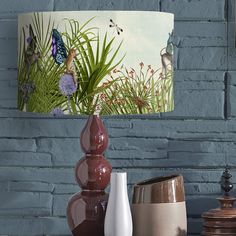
159, 207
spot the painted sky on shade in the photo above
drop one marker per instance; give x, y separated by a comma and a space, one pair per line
144, 33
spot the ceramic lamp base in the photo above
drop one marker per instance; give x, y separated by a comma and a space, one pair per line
160, 219
86, 213
86, 210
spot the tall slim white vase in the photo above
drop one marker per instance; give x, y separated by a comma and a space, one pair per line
118, 220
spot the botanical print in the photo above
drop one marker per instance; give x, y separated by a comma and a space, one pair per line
88, 62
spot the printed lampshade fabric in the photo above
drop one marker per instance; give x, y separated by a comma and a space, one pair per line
95, 62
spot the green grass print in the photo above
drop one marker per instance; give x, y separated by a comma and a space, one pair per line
101, 85
145, 91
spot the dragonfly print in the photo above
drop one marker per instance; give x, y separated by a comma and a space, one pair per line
111, 63
117, 28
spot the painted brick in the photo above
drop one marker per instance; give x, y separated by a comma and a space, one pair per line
140, 127
107, 5
175, 160
17, 145
26, 204
8, 46
204, 160
8, 103
135, 154
193, 146
25, 159
197, 205
7, 91
8, 75
195, 10
10, 9
194, 226
231, 92
66, 189
157, 128
76, 5
151, 5
60, 204
190, 175
147, 144
47, 175
201, 33
192, 103
231, 46
16, 186
8, 29
231, 57
42, 127
212, 77
69, 5
202, 58
231, 36
30, 226
231, 10
6, 112
198, 85
116, 124
8, 60
65, 152
202, 189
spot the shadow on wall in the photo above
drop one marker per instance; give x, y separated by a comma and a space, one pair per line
181, 232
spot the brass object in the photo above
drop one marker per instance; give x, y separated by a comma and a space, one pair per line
222, 221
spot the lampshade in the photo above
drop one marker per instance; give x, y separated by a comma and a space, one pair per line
95, 62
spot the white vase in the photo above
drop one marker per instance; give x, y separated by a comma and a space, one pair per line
118, 220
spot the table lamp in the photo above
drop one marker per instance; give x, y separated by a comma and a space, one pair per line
94, 63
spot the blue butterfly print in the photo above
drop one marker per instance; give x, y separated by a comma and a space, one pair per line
58, 47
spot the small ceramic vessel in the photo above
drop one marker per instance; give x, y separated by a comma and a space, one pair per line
118, 220
159, 208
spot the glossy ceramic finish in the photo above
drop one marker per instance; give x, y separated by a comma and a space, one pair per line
160, 219
159, 208
168, 189
93, 172
86, 213
86, 210
118, 220
94, 137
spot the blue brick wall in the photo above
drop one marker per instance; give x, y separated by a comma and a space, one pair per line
38, 153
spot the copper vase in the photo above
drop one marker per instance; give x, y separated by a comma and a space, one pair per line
86, 210
159, 208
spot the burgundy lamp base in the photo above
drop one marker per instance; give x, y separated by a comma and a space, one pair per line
86, 210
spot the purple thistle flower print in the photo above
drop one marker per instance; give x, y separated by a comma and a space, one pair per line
29, 39
57, 111
67, 85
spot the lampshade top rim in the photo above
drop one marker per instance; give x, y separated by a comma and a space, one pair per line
94, 11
